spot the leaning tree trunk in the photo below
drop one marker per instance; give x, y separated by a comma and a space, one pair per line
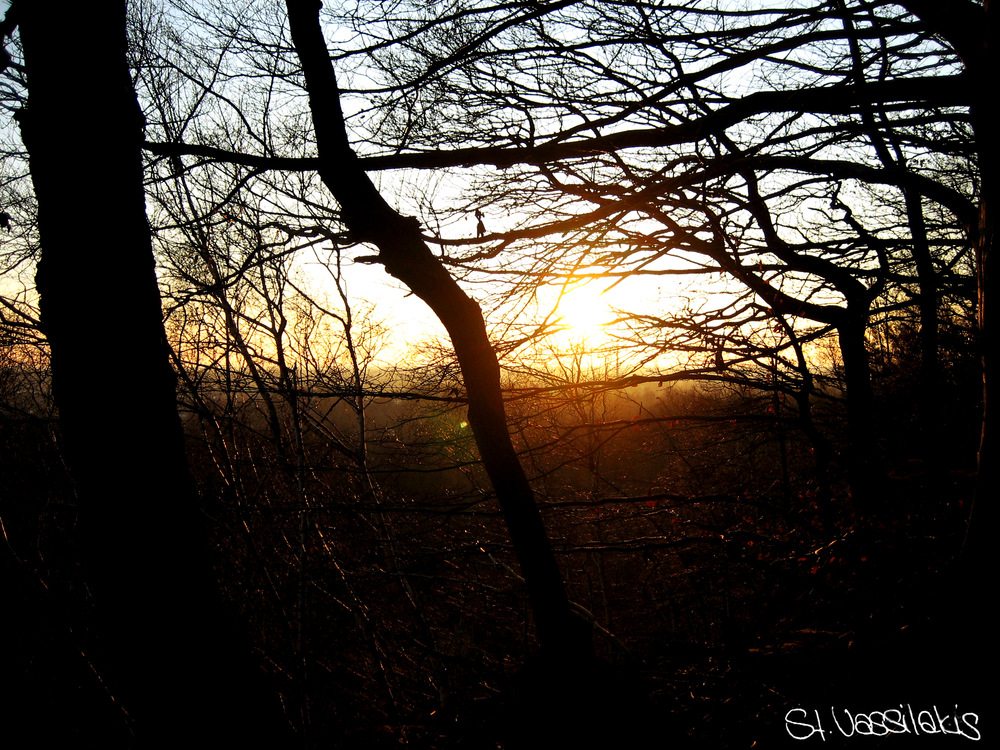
406, 257
164, 648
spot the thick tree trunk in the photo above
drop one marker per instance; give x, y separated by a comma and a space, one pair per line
970, 27
164, 648
406, 257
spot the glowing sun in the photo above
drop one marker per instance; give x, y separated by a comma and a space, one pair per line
583, 314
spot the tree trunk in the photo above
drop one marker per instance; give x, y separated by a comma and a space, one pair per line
970, 27
861, 424
978, 547
165, 650
929, 396
406, 257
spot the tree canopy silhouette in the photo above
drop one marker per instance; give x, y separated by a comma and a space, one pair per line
789, 208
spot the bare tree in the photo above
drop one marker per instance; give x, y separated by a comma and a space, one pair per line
406, 256
166, 646
809, 169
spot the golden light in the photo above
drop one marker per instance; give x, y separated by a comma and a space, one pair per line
583, 314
